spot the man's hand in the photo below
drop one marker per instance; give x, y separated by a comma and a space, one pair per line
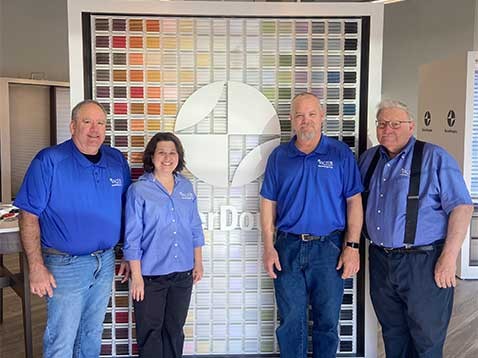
271, 260
124, 269
349, 260
42, 281
445, 270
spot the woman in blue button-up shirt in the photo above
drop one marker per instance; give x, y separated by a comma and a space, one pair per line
163, 243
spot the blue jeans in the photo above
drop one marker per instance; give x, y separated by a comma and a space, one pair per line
76, 312
308, 275
413, 311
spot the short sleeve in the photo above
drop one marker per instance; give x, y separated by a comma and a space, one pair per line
352, 180
269, 187
34, 192
453, 190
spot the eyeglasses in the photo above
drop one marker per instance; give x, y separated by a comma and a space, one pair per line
391, 124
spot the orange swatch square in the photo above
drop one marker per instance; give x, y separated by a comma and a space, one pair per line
136, 75
135, 42
154, 92
152, 26
137, 124
154, 108
136, 59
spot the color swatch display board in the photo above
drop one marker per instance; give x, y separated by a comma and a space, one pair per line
144, 70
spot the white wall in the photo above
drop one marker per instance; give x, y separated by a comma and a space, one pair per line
418, 32
34, 38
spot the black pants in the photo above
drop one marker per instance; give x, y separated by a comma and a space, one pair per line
160, 317
413, 312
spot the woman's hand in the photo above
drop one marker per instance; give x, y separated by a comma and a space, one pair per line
198, 272
137, 288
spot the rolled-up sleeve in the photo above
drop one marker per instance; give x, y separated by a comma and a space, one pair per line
134, 225
196, 226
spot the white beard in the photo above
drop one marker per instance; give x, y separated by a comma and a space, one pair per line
306, 136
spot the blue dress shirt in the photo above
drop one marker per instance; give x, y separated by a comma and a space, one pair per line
311, 190
162, 230
442, 188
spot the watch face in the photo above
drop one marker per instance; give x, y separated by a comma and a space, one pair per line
354, 245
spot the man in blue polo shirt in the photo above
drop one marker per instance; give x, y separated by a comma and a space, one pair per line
311, 202
71, 209
412, 253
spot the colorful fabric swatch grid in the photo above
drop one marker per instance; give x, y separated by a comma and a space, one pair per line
143, 69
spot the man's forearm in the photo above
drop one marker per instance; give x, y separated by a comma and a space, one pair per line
458, 222
354, 218
268, 215
30, 237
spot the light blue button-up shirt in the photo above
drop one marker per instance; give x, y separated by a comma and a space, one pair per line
162, 230
442, 188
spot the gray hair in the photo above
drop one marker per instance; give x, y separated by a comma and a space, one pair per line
391, 103
300, 95
77, 108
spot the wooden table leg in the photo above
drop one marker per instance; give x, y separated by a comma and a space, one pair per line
26, 307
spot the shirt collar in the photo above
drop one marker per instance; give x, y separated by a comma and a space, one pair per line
84, 162
321, 148
404, 152
150, 177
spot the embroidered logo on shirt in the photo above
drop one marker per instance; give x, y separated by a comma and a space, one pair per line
116, 182
186, 196
404, 172
329, 164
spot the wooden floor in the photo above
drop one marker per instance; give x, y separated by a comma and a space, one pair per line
462, 340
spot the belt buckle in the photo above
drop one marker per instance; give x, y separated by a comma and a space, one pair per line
305, 237
388, 250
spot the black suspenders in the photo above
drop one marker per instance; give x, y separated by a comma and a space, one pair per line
366, 191
412, 198
413, 192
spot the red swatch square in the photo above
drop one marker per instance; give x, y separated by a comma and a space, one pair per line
120, 108
119, 41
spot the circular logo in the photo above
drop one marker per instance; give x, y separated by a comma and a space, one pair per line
427, 118
451, 118
214, 143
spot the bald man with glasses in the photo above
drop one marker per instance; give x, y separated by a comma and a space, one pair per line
417, 209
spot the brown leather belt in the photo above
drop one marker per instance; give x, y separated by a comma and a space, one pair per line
52, 251
309, 237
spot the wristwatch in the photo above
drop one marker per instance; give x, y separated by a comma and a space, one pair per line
353, 245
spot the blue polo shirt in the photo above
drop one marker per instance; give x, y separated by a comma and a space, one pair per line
311, 190
442, 188
162, 229
78, 203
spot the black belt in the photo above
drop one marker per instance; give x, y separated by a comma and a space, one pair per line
410, 250
52, 251
309, 237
